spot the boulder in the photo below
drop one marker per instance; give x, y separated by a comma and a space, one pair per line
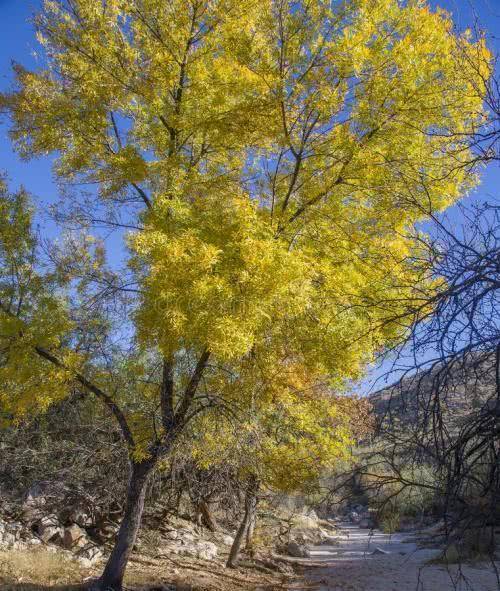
10, 533
227, 540
89, 555
297, 550
49, 529
74, 536
31, 514
202, 550
185, 535
8, 539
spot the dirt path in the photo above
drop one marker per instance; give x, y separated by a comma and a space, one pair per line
366, 560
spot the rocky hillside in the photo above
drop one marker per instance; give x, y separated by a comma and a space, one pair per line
466, 386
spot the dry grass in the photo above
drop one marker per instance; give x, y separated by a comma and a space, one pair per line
41, 570
38, 568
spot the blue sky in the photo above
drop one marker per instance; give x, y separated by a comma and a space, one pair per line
18, 43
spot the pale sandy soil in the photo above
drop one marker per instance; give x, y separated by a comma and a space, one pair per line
351, 566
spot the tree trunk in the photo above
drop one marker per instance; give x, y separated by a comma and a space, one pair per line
250, 506
250, 531
112, 577
207, 518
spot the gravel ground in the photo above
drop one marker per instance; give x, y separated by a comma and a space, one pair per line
365, 560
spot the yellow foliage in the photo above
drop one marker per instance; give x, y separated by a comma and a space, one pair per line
283, 153
216, 275
29, 384
288, 440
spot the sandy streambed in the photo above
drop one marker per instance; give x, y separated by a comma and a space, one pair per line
369, 560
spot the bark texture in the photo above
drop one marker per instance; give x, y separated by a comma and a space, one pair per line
112, 577
250, 532
248, 517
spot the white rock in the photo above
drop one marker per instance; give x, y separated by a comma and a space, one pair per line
202, 550
89, 555
74, 536
185, 535
8, 539
228, 540
51, 533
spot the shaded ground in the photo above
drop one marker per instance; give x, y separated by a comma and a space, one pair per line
41, 570
351, 565
345, 564
188, 574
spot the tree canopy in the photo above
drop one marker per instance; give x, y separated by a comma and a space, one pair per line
282, 151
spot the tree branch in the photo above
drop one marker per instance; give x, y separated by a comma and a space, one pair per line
143, 195
88, 385
191, 388
167, 395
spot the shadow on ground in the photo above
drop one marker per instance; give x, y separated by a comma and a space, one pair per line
82, 587
30, 587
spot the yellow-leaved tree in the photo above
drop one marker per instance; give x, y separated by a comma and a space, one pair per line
268, 160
